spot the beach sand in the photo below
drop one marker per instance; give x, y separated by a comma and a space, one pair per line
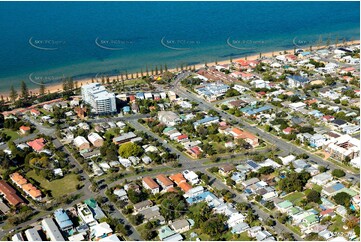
59, 87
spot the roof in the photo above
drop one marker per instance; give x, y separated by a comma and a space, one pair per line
25, 128
10, 193
62, 218
285, 204
164, 180
185, 186
179, 224
177, 178
52, 230
150, 182
37, 144
142, 204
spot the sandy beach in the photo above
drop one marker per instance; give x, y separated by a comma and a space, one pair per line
59, 87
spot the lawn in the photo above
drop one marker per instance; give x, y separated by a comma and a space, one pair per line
58, 187
294, 197
13, 134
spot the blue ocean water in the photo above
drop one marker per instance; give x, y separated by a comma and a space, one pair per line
48, 40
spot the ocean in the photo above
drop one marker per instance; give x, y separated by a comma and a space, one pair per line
45, 41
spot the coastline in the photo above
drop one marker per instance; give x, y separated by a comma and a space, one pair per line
58, 87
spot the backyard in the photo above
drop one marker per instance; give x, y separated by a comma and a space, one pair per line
58, 187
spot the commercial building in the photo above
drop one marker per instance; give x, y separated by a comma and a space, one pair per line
101, 101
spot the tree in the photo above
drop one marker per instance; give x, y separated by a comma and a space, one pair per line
265, 170
338, 173
213, 226
148, 234
13, 94
294, 182
342, 198
322, 169
24, 90
130, 149
313, 196
42, 88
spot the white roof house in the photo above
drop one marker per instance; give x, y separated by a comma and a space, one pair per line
322, 178
99, 230
95, 139
51, 230
32, 235
191, 176
80, 141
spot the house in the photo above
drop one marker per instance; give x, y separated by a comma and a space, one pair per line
240, 228
326, 234
24, 130
51, 230
300, 164
121, 194
95, 139
247, 136
309, 221
322, 179
62, 219
206, 121
238, 177
297, 81
150, 184
284, 206
100, 231
317, 140
32, 235
9, 194
164, 181
37, 144
124, 138
195, 151
250, 182
34, 112
264, 235
81, 143
287, 130
28, 188
180, 225
85, 214
178, 178
185, 187
193, 192
252, 232
191, 176
142, 205
152, 213
225, 170
332, 189
165, 233
234, 219
169, 118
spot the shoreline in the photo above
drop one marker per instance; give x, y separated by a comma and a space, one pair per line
58, 87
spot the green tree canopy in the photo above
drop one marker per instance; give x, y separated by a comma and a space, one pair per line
130, 149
